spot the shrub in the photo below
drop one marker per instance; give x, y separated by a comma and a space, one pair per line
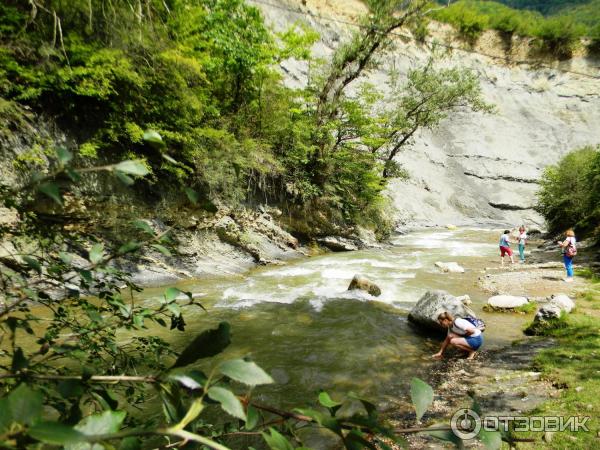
570, 192
559, 36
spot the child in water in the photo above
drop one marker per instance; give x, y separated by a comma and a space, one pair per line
505, 247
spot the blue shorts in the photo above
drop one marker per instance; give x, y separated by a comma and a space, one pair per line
474, 341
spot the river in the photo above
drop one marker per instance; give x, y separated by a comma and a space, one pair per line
299, 322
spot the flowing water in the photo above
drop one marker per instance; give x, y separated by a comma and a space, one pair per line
300, 323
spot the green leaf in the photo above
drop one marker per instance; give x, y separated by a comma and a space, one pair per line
208, 343
422, 396
172, 293
63, 155
153, 138
491, 439
144, 226
252, 417
33, 263
5, 414
129, 247
276, 441
229, 402
125, 179
51, 190
67, 258
96, 253
130, 443
326, 401
194, 379
55, 433
132, 167
25, 404
86, 275
104, 423
170, 159
73, 175
161, 248
193, 411
192, 195
174, 308
246, 372
447, 436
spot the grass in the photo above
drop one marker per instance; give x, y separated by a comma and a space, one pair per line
574, 366
527, 308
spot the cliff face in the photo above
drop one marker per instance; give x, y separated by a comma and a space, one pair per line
474, 167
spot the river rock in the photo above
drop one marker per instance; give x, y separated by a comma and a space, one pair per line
432, 304
337, 243
452, 267
547, 312
364, 284
506, 301
563, 302
464, 299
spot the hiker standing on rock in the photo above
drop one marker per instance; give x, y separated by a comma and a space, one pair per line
569, 250
522, 240
505, 247
462, 334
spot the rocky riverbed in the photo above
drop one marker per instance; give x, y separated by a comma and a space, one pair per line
503, 381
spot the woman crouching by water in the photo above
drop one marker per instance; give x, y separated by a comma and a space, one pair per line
462, 334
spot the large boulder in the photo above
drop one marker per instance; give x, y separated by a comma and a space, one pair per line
338, 243
563, 302
364, 284
451, 267
506, 301
547, 312
432, 304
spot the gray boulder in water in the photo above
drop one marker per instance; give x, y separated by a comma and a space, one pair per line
432, 304
364, 284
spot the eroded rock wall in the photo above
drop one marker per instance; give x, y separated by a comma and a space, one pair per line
473, 168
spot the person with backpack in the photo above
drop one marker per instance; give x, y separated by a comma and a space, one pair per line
463, 333
569, 250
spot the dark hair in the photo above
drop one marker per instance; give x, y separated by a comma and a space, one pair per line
506, 231
445, 316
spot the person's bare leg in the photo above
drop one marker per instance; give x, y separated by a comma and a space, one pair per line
461, 343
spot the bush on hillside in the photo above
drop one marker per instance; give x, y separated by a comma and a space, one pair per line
570, 193
559, 36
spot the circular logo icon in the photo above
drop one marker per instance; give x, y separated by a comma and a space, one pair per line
465, 424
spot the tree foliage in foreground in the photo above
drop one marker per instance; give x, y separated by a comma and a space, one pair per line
80, 366
570, 193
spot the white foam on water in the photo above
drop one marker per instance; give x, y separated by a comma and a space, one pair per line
288, 272
338, 274
401, 276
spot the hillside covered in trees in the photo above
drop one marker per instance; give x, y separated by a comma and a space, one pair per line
558, 26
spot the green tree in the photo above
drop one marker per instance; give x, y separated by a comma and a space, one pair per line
570, 190
428, 97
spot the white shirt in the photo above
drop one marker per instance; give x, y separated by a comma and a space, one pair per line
522, 238
460, 326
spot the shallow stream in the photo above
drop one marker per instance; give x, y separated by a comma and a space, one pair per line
300, 323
